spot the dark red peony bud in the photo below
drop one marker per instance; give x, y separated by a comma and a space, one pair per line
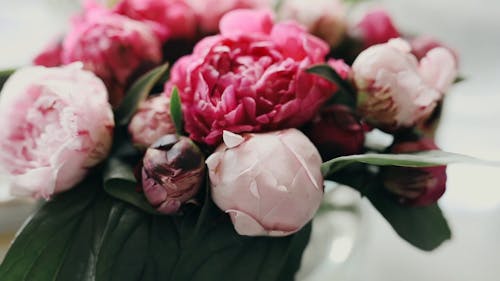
337, 132
173, 170
415, 186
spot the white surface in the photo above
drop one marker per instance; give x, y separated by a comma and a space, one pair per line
471, 125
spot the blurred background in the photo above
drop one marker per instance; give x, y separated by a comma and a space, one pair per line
368, 249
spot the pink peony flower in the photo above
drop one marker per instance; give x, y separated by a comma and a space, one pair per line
394, 90
112, 46
270, 184
151, 121
210, 12
323, 18
250, 78
173, 171
336, 132
416, 186
51, 55
56, 124
376, 27
168, 18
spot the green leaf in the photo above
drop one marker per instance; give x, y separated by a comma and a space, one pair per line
420, 159
138, 93
4, 75
327, 72
120, 182
423, 227
85, 235
176, 111
59, 241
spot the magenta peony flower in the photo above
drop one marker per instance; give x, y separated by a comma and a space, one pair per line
394, 90
112, 46
376, 27
250, 78
151, 121
270, 184
323, 18
336, 132
416, 186
210, 12
168, 18
172, 173
56, 124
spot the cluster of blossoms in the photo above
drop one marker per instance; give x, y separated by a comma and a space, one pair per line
258, 123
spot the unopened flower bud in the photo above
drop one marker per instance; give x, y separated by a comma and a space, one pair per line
151, 121
270, 183
173, 170
336, 132
415, 186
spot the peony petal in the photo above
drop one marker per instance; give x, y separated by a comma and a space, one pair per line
244, 224
439, 69
302, 162
231, 139
39, 183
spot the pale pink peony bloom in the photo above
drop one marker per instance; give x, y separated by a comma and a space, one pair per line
415, 186
270, 184
151, 121
168, 18
323, 18
114, 47
210, 12
376, 27
394, 89
173, 171
56, 124
250, 78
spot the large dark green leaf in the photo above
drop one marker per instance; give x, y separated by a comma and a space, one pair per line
120, 182
60, 241
86, 235
424, 227
137, 93
4, 75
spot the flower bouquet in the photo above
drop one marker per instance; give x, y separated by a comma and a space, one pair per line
213, 168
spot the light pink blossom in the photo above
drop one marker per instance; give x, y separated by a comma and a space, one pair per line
56, 124
151, 121
270, 184
395, 90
